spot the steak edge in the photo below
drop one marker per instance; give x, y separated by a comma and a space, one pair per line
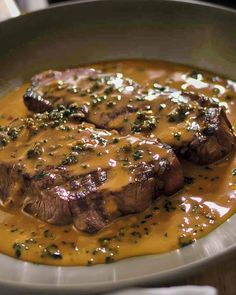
57, 178
195, 126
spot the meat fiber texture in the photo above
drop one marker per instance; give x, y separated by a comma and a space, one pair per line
99, 146
195, 126
63, 172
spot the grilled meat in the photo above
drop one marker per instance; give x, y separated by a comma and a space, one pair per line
195, 126
63, 172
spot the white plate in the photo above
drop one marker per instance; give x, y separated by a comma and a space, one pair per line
17, 276
185, 32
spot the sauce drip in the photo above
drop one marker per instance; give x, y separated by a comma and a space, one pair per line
207, 200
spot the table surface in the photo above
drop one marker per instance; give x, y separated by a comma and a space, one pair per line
221, 275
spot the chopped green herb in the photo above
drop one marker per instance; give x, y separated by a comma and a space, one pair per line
145, 121
136, 234
109, 90
162, 106
109, 259
216, 90
196, 75
189, 179
100, 139
4, 141
52, 251
40, 175
17, 248
177, 135
81, 146
176, 117
159, 87
90, 262
92, 78
228, 97
34, 152
111, 104
95, 87
210, 130
85, 166
115, 140
137, 155
147, 216
72, 89
127, 149
168, 206
70, 159
47, 234
13, 133
208, 168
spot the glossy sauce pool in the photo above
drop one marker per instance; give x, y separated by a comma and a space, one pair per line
207, 200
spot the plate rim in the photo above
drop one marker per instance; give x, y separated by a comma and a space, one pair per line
180, 270
164, 276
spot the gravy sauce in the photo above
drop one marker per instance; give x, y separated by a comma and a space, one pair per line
206, 201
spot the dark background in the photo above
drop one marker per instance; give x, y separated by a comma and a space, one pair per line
230, 3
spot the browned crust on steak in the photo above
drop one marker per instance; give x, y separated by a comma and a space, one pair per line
60, 192
203, 147
214, 142
81, 201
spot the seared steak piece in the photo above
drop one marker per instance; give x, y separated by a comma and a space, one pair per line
195, 126
100, 97
213, 141
63, 173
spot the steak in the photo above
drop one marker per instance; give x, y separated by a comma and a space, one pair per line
63, 172
100, 97
195, 126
